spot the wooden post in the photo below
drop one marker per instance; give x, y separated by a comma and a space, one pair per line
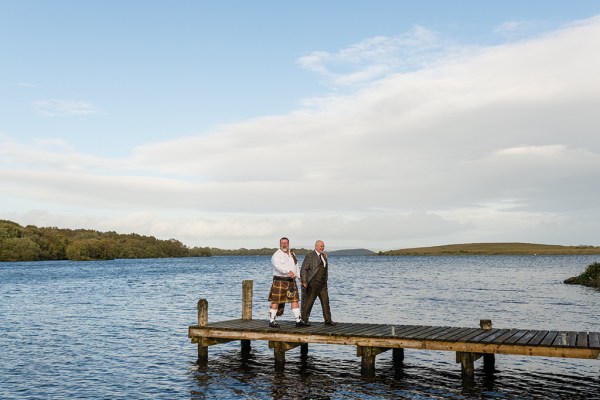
489, 360
367, 364
247, 287
398, 357
279, 349
202, 321
304, 351
467, 361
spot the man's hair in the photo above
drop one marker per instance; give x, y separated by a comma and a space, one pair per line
284, 238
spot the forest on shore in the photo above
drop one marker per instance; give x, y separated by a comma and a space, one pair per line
30, 243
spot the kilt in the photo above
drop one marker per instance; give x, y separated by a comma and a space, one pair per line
279, 289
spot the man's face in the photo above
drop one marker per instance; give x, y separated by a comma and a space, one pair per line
284, 244
320, 246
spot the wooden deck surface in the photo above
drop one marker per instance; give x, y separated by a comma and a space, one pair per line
548, 343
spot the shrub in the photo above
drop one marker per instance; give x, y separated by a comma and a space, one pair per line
590, 277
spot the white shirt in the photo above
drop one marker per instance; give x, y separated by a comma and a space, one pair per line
284, 263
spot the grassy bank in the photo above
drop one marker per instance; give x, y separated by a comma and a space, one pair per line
493, 249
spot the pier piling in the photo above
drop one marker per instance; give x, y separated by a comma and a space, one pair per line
247, 292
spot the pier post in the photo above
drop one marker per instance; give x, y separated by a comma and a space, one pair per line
247, 288
368, 355
304, 351
398, 357
202, 321
467, 362
489, 360
367, 364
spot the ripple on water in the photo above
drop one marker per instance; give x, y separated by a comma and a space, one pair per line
118, 329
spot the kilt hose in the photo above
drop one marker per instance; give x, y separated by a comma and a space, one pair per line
278, 293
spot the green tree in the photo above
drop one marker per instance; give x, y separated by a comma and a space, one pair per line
19, 249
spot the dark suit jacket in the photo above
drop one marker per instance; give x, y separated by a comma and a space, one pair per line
309, 267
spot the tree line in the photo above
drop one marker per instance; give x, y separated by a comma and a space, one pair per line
30, 243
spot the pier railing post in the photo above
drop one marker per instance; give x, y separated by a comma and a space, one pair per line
489, 360
202, 321
247, 289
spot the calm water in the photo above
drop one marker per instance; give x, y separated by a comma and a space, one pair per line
118, 329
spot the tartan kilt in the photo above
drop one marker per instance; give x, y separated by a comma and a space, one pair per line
278, 293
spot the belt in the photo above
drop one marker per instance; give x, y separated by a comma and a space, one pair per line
283, 278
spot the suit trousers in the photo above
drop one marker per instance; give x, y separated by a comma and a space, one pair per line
310, 294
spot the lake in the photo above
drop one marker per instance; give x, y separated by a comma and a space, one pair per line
118, 329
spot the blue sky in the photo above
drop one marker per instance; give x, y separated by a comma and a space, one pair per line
385, 124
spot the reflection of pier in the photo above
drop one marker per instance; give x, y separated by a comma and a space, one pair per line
370, 340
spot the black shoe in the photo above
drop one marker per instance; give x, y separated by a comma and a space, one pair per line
273, 324
301, 324
330, 323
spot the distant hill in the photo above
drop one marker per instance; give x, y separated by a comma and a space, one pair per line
352, 252
494, 248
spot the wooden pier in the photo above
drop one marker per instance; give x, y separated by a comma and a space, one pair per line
469, 344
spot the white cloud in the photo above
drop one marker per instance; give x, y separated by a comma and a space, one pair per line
376, 57
498, 145
515, 28
64, 108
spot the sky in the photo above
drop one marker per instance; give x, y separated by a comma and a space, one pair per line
366, 124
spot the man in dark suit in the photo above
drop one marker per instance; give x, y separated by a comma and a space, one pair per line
314, 274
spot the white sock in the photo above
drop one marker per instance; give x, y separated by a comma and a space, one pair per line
296, 312
272, 314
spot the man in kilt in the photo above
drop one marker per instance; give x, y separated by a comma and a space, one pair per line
284, 288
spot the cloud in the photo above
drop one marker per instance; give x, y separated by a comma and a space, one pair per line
26, 85
65, 108
515, 28
497, 144
376, 57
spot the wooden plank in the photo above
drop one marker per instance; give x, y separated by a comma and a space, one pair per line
514, 338
468, 335
571, 339
435, 333
368, 330
500, 339
483, 335
491, 338
536, 340
342, 326
447, 331
594, 340
582, 340
455, 333
459, 335
527, 337
549, 339
561, 339
384, 331
423, 333
414, 329
417, 333
407, 329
